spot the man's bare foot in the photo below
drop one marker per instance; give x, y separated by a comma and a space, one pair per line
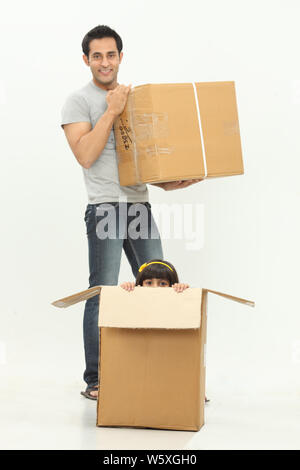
94, 393
91, 393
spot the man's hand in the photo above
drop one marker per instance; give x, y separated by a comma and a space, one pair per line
87, 143
170, 185
116, 99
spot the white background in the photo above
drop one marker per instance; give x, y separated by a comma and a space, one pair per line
251, 222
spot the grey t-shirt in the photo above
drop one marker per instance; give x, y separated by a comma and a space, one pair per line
102, 178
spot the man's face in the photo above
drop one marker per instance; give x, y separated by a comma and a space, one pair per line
104, 61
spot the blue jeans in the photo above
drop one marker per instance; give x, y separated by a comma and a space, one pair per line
104, 264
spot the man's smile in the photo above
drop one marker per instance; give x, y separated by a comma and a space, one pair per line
105, 72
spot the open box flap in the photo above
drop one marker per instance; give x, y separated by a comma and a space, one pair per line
78, 297
116, 300
159, 307
231, 297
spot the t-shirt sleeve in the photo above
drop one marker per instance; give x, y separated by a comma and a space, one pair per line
75, 109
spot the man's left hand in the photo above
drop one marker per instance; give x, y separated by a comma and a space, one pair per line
171, 185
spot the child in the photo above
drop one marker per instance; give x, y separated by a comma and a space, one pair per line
157, 273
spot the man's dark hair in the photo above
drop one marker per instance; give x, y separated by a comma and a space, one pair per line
100, 32
157, 271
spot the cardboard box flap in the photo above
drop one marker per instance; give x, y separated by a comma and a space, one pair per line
231, 297
78, 297
159, 307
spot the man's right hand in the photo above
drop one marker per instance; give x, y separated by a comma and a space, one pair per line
116, 99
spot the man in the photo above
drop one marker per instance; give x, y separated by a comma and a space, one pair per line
88, 117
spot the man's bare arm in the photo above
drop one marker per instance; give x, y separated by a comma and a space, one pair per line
87, 143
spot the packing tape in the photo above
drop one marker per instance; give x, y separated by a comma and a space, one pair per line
166, 150
200, 129
135, 157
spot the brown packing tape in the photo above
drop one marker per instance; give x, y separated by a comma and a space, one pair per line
182, 131
151, 133
134, 142
150, 126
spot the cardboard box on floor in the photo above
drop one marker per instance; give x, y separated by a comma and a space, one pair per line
152, 355
179, 131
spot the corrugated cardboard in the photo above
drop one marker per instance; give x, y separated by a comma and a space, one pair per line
152, 355
179, 131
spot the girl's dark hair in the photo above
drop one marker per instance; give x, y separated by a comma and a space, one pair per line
100, 32
157, 271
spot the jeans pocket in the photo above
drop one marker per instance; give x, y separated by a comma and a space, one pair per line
89, 219
88, 211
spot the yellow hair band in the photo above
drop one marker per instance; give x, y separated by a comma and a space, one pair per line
153, 262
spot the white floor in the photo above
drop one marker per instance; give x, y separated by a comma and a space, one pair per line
43, 413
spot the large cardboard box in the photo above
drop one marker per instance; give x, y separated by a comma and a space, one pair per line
178, 131
152, 355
